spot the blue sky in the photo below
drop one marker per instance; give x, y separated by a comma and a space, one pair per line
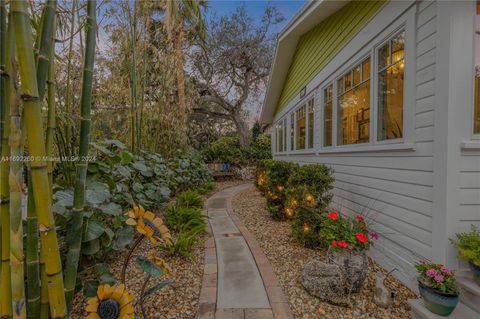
255, 8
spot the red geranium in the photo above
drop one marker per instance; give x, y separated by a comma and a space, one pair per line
342, 244
362, 238
360, 218
333, 215
334, 243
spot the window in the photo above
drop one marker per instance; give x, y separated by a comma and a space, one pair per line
284, 123
292, 131
391, 62
311, 122
327, 115
476, 108
301, 127
353, 93
281, 133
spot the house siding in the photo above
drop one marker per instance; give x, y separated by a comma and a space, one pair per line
312, 54
395, 188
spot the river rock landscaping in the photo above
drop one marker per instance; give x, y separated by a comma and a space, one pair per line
275, 238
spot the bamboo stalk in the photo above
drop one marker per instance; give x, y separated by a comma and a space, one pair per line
51, 117
46, 43
133, 74
5, 281
32, 250
39, 175
15, 185
3, 36
73, 255
44, 302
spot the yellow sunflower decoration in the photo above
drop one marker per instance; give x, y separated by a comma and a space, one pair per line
111, 303
149, 225
161, 263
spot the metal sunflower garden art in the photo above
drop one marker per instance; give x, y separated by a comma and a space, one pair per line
111, 302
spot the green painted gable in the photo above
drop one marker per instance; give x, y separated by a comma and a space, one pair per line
319, 45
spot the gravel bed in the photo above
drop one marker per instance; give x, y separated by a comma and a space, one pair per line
288, 258
177, 301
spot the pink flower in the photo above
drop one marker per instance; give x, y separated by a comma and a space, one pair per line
374, 235
439, 279
447, 271
432, 273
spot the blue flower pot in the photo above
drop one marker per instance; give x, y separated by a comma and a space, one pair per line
437, 302
476, 272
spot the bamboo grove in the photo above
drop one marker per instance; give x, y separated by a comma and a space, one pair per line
33, 283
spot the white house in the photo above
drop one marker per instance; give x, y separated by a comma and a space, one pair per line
387, 94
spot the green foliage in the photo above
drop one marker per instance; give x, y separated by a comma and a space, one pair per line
277, 175
190, 199
227, 149
206, 188
186, 218
186, 240
116, 180
468, 245
256, 130
438, 277
306, 227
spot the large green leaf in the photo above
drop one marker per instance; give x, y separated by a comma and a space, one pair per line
93, 230
149, 267
91, 247
126, 157
137, 187
97, 193
64, 198
157, 287
111, 208
123, 238
90, 288
140, 166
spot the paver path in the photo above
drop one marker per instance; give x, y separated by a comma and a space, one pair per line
238, 281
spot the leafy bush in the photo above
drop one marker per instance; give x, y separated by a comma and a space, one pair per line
206, 188
260, 148
306, 227
117, 180
278, 173
468, 245
178, 218
190, 199
261, 177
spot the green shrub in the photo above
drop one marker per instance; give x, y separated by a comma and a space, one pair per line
178, 218
307, 195
260, 148
190, 199
468, 245
225, 150
186, 240
278, 173
206, 188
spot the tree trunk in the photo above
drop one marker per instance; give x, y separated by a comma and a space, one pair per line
180, 74
242, 129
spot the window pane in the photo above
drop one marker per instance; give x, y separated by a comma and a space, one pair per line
340, 86
348, 81
310, 124
301, 128
327, 117
384, 56
476, 109
292, 131
354, 115
356, 75
390, 93
280, 137
366, 69
284, 134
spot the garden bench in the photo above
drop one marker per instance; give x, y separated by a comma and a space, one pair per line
221, 170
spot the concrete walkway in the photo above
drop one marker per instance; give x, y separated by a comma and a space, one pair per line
238, 281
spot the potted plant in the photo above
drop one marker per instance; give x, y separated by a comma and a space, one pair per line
348, 239
438, 288
468, 245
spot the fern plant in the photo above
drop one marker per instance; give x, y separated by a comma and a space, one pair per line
468, 245
185, 242
190, 199
178, 218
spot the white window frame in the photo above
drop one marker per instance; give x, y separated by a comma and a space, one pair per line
303, 102
282, 121
322, 115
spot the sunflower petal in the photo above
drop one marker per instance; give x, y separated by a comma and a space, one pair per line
93, 316
118, 292
92, 304
131, 222
149, 216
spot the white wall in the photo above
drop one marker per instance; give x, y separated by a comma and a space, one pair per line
394, 186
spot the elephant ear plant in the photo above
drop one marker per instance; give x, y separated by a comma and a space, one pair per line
468, 245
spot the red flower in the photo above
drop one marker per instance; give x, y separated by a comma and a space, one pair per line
334, 243
333, 215
362, 226
342, 244
362, 238
360, 218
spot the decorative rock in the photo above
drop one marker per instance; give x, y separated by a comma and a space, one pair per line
324, 281
381, 296
354, 267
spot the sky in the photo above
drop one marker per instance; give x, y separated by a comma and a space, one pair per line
255, 8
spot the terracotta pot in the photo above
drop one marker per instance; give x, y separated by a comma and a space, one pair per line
438, 302
354, 266
476, 272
